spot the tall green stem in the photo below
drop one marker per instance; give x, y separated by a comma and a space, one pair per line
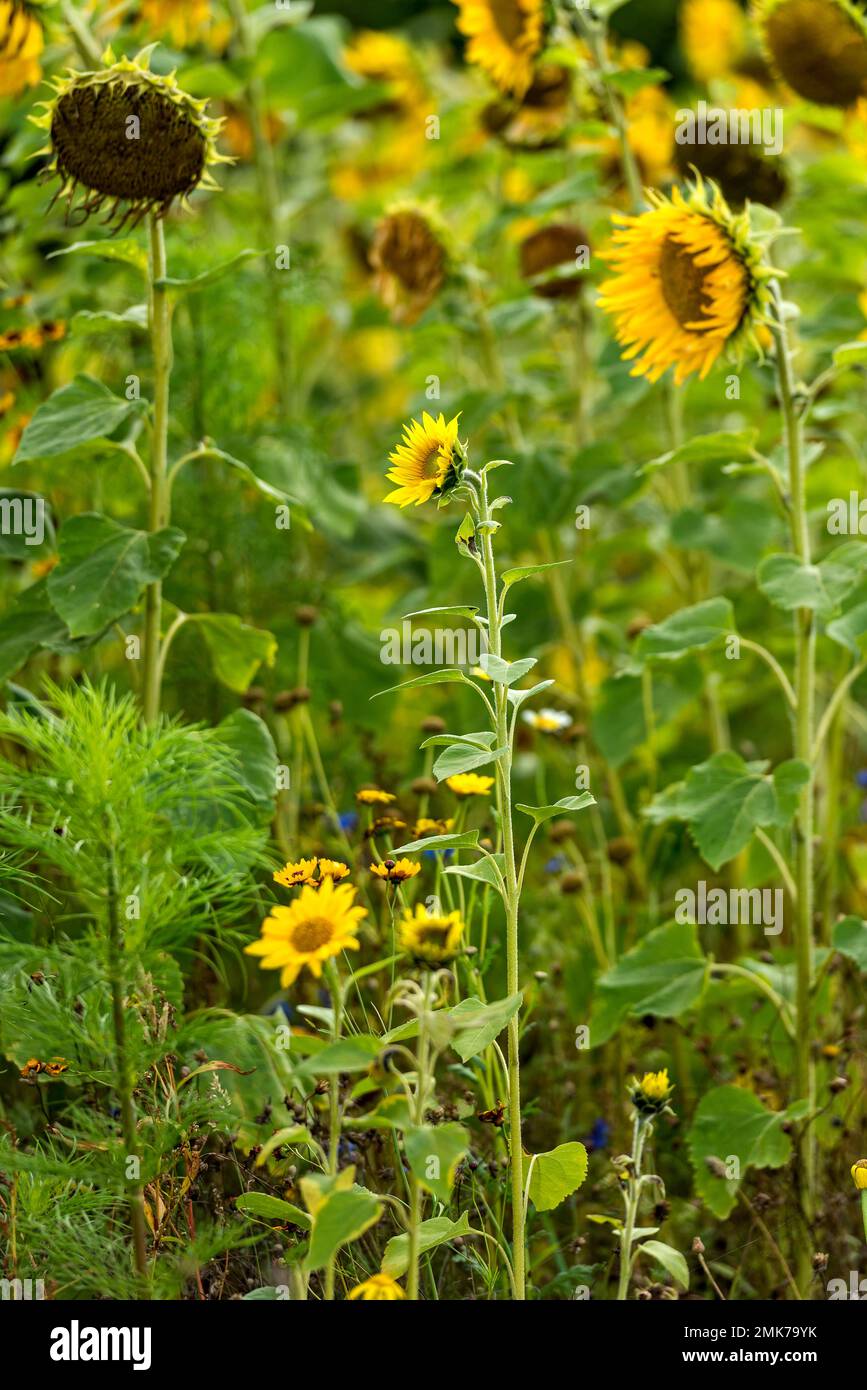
504, 804
633, 1195
805, 681
336, 990
160, 496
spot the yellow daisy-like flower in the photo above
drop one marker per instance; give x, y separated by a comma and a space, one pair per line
396, 870
379, 1288
373, 796
859, 1174
819, 47
333, 869
689, 283
426, 825
322, 922
712, 34
427, 461
21, 46
294, 875
505, 38
428, 939
469, 784
182, 22
652, 1093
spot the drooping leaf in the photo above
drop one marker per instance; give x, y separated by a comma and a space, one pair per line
663, 975
79, 417
689, 630
104, 567
433, 1153
237, 650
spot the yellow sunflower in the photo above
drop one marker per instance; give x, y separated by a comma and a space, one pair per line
819, 47
433, 940
689, 282
427, 462
379, 1288
294, 875
396, 870
505, 38
652, 1093
712, 36
469, 784
182, 22
21, 45
321, 923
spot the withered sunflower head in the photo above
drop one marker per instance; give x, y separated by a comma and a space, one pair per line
127, 138
743, 172
819, 47
539, 121
549, 255
409, 257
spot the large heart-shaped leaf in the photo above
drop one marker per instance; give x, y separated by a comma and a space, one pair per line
84, 413
104, 567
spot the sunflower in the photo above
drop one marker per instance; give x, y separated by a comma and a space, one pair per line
652, 1093
396, 870
21, 45
819, 47
294, 875
744, 173
321, 923
387, 60
128, 137
505, 38
379, 1288
712, 36
430, 940
409, 257
183, 22
427, 462
373, 796
540, 119
548, 257
469, 784
689, 282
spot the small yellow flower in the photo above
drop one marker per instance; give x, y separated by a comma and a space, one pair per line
379, 1288
322, 922
505, 37
294, 875
469, 784
652, 1093
333, 869
426, 462
428, 939
427, 826
396, 870
547, 721
373, 796
689, 282
859, 1174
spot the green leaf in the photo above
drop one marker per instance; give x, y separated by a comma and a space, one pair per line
450, 675
274, 494
208, 277
433, 1153
724, 799
850, 937
256, 770
104, 567
465, 535
731, 1122
272, 1209
663, 975
455, 610
125, 249
342, 1217
96, 321
515, 576
619, 718
850, 354
24, 516
566, 803
478, 1024
790, 585
555, 1175
29, 624
482, 872
689, 630
505, 672
237, 650
347, 1054
721, 446
517, 697
671, 1260
84, 413
459, 758
483, 739
467, 839
439, 1230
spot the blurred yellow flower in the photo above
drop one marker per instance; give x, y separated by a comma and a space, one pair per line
712, 35
388, 60
469, 784
181, 22
433, 940
21, 46
409, 260
859, 1174
374, 796
819, 47
505, 37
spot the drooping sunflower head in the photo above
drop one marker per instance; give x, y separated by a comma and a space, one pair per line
469, 784
744, 173
127, 138
689, 282
322, 922
712, 36
410, 260
21, 46
540, 118
379, 1288
505, 38
652, 1092
819, 47
859, 1174
430, 940
549, 257
427, 462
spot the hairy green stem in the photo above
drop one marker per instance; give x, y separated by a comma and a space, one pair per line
160, 505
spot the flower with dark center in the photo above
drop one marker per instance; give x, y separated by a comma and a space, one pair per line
409, 258
505, 37
549, 255
128, 139
819, 47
